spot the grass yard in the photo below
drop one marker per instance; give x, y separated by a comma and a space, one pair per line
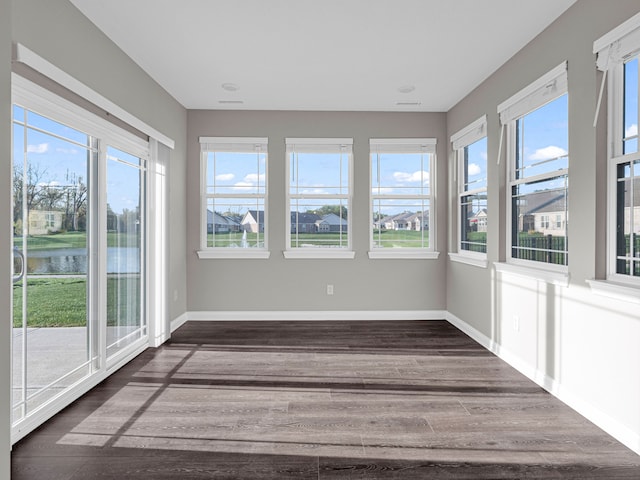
74, 240
52, 302
400, 238
62, 302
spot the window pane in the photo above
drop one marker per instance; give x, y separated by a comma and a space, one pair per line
236, 173
542, 140
475, 165
125, 230
539, 219
401, 173
319, 223
630, 141
43, 123
235, 222
319, 173
473, 212
400, 223
628, 219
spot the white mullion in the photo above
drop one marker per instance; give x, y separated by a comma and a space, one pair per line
541, 177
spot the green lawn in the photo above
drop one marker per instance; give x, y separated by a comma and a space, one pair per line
401, 238
52, 302
73, 240
62, 302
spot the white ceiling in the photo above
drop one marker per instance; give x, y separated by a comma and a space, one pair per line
321, 54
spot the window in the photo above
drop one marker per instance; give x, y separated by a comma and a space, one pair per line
319, 172
619, 57
402, 197
233, 218
470, 150
538, 160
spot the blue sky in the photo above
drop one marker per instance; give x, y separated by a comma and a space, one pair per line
61, 159
631, 105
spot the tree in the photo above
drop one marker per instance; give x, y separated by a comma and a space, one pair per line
339, 210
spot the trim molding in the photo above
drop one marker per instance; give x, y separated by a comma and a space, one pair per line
314, 315
572, 399
179, 321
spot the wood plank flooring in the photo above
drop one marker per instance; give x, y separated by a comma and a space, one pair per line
319, 400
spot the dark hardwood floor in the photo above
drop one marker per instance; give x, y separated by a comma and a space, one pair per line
319, 400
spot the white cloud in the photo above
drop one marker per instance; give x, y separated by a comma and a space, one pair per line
39, 148
632, 131
547, 153
67, 151
383, 190
314, 191
243, 185
474, 169
253, 178
404, 177
225, 177
483, 155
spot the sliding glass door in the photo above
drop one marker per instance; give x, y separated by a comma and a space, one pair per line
79, 222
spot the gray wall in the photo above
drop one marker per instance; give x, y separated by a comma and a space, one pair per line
57, 31
570, 38
5, 236
279, 284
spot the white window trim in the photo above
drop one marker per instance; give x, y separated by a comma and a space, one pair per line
318, 145
545, 89
613, 49
406, 145
231, 144
473, 132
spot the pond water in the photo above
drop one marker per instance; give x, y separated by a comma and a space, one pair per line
64, 261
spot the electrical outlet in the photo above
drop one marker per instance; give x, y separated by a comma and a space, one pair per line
329, 289
516, 323
175, 295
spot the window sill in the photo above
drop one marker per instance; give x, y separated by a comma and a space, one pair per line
555, 277
615, 290
233, 253
320, 253
399, 254
478, 260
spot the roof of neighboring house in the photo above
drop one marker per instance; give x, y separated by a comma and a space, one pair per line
304, 217
399, 217
219, 219
544, 202
332, 219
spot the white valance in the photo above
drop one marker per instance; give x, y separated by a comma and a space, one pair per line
402, 145
470, 134
619, 43
542, 91
234, 144
319, 145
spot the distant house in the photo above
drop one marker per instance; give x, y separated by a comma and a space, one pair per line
544, 212
219, 223
42, 222
331, 223
478, 221
403, 221
304, 222
253, 221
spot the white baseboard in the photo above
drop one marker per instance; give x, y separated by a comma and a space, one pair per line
179, 321
610, 425
317, 315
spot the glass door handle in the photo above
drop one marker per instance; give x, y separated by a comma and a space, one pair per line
19, 275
